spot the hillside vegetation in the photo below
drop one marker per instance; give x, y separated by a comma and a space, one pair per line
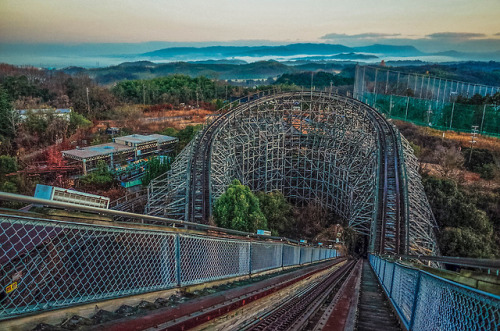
463, 188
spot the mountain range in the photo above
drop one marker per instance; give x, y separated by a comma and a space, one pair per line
280, 51
103, 55
313, 52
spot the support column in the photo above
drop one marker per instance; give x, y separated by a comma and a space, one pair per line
84, 166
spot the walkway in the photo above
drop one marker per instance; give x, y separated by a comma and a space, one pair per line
374, 310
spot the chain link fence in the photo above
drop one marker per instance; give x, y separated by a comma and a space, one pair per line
49, 264
424, 301
441, 116
429, 101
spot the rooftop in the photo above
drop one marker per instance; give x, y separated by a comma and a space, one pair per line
120, 145
140, 139
45, 110
97, 150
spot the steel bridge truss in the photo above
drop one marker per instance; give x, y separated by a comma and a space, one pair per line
311, 146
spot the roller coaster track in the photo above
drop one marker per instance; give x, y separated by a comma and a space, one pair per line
200, 203
389, 228
394, 223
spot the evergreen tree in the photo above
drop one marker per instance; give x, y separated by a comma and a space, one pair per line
238, 209
155, 168
278, 212
8, 117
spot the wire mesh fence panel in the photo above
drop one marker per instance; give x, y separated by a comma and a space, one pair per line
403, 291
204, 259
451, 115
52, 264
379, 80
380, 266
291, 255
428, 302
315, 255
305, 255
265, 256
442, 305
387, 277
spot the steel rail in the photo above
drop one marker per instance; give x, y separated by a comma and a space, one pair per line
191, 314
294, 313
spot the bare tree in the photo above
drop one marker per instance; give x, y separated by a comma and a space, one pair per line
450, 159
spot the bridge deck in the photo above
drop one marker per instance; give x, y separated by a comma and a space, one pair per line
374, 310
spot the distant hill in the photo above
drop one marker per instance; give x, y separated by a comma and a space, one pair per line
390, 50
218, 52
483, 56
487, 73
223, 61
342, 56
147, 70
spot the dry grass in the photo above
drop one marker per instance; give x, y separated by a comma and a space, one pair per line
463, 138
464, 177
172, 113
485, 142
137, 124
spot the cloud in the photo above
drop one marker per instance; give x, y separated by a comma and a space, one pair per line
360, 36
456, 35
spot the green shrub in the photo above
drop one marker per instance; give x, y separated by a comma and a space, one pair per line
487, 171
465, 229
278, 212
238, 209
100, 179
155, 168
479, 158
466, 242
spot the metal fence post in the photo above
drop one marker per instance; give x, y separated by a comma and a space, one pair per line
383, 274
392, 280
300, 254
282, 254
250, 259
178, 259
415, 301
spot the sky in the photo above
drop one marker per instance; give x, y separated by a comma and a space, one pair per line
429, 24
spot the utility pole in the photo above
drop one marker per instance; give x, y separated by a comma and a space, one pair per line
472, 140
88, 102
143, 94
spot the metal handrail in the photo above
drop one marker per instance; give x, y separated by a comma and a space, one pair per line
457, 261
69, 206
416, 292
